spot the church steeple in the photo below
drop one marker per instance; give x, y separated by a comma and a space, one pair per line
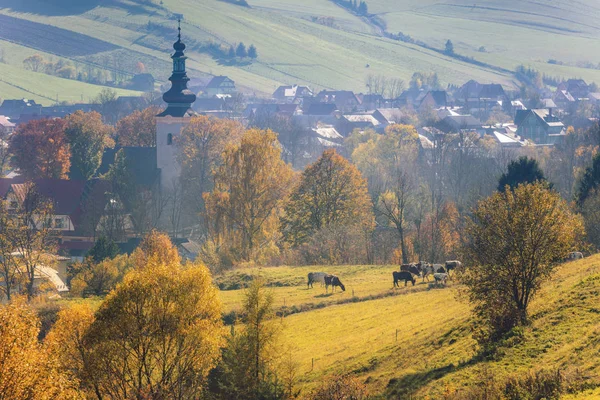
179, 98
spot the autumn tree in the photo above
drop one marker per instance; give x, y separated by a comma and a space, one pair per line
200, 147
389, 161
41, 150
88, 137
330, 192
107, 99
32, 237
69, 346
156, 247
98, 278
9, 271
248, 369
35, 63
157, 335
27, 371
250, 187
513, 242
524, 170
138, 128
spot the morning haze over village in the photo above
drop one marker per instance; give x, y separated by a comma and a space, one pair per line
316, 199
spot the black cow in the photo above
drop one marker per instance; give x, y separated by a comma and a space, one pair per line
403, 276
333, 281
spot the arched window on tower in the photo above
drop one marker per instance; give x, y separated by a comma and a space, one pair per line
169, 139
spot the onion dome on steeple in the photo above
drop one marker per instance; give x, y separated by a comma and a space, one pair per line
179, 98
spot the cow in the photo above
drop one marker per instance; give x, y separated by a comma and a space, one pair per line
575, 255
403, 276
333, 281
412, 268
440, 278
315, 277
452, 264
426, 270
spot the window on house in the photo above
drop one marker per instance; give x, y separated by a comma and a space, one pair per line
58, 223
169, 139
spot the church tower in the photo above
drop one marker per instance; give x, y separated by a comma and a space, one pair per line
170, 122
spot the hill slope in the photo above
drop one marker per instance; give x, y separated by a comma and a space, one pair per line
295, 45
433, 350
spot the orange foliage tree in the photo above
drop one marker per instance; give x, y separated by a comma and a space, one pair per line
40, 149
331, 192
138, 128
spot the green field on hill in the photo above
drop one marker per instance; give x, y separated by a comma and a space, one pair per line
433, 350
296, 46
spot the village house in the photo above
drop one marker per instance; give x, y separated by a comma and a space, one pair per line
345, 101
578, 88
292, 94
477, 97
540, 126
460, 123
361, 121
6, 126
219, 85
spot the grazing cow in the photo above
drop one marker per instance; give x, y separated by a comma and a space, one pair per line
440, 270
426, 270
575, 255
412, 268
453, 264
333, 281
403, 276
440, 278
316, 277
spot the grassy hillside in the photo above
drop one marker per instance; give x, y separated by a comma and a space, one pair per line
45, 89
295, 46
434, 350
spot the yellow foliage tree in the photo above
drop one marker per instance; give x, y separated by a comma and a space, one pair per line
200, 146
513, 242
155, 248
27, 371
157, 335
249, 189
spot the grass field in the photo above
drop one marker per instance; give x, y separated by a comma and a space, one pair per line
45, 89
434, 350
294, 47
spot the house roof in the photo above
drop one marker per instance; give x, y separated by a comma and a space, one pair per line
291, 91
505, 140
388, 115
65, 194
328, 132
5, 122
217, 81
548, 103
340, 97
457, 122
321, 109
491, 90
362, 118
